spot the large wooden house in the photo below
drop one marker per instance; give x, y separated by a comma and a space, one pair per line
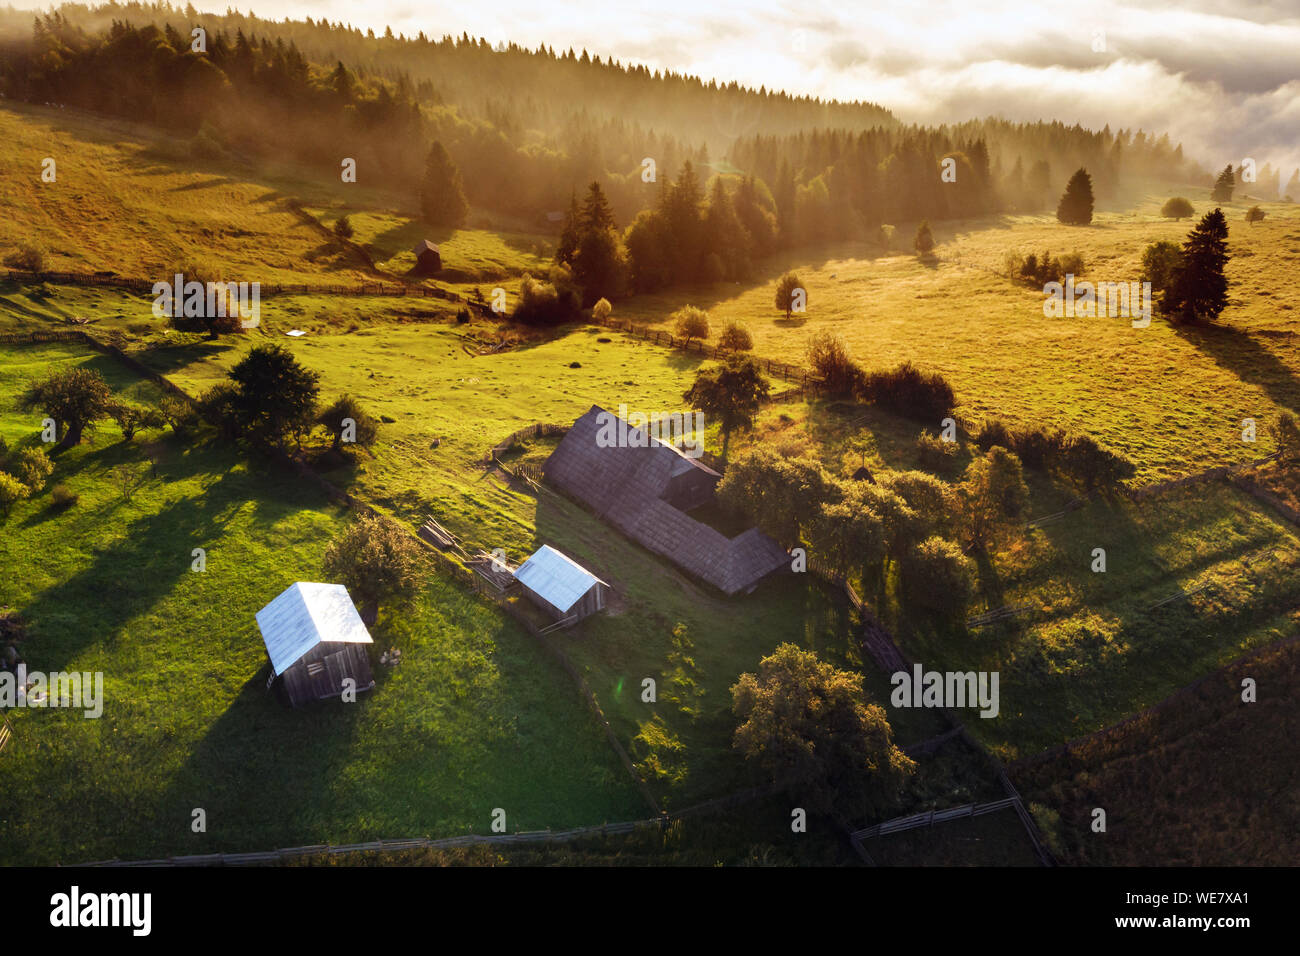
316, 642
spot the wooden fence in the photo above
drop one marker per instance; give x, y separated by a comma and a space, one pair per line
930, 817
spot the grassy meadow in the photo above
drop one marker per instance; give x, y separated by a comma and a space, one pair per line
476, 716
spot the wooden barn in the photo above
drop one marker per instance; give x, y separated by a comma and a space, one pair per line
645, 489
428, 261
316, 640
560, 586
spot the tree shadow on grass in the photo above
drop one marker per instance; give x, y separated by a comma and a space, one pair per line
1239, 352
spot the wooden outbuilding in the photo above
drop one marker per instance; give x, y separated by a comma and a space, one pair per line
316, 642
428, 261
560, 586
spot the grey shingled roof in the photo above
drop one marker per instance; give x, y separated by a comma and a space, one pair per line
624, 486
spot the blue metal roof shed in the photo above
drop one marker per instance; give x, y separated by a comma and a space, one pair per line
560, 585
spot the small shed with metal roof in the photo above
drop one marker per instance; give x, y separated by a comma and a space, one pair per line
560, 586
316, 642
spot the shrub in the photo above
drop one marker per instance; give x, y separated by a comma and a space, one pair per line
218, 407
27, 258
993, 432
1176, 208
343, 228
1254, 214
132, 418
179, 414
1036, 270
1077, 458
906, 390
541, 303
63, 497
462, 316
935, 453
11, 492
600, 312
31, 466
831, 360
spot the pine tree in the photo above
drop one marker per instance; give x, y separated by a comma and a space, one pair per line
1075, 207
599, 262
1201, 288
442, 195
1224, 185
724, 236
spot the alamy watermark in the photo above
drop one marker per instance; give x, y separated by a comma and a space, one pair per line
1087, 301
684, 430
72, 689
950, 689
195, 299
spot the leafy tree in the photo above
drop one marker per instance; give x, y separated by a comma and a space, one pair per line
1286, 435
690, 323
1176, 208
1224, 185
812, 731
601, 311
1201, 288
1075, 207
735, 337
789, 289
1254, 214
179, 414
131, 418
1160, 264
31, 466
74, 397
937, 579
731, 392
377, 561
442, 193
343, 228
345, 419
276, 397
992, 494
546, 303
12, 491
924, 241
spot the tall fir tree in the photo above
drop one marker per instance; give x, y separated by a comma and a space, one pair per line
1224, 185
1075, 207
442, 194
1200, 288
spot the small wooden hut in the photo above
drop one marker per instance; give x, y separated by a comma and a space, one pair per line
560, 586
316, 641
428, 261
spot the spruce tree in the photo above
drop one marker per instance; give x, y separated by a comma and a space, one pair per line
1200, 288
442, 194
1224, 185
1075, 207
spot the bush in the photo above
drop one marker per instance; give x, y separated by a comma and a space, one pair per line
27, 258
935, 577
1077, 458
179, 414
1286, 435
735, 338
1036, 270
63, 497
1176, 208
218, 407
343, 228
541, 303
830, 359
11, 492
600, 312
690, 323
935, 453
906, 390
31, 466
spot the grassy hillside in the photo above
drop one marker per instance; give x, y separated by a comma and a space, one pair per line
1170, 399
476, 716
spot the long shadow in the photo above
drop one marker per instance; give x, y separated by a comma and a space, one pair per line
138, 569
1238, 352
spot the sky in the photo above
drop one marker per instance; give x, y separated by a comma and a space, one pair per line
1220, 76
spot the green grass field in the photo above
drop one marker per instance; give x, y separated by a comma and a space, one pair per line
476, 716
